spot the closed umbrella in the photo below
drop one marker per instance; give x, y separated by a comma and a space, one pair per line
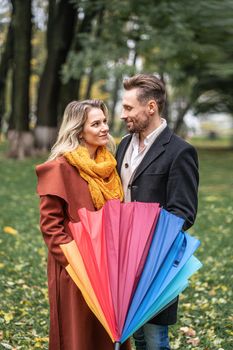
131, 254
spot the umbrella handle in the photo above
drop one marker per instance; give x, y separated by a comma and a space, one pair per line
117, 345
181, 252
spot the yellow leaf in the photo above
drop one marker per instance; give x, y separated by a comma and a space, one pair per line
8, 316
10, 230
211, 198
37, 345
41, 251
2, 265
41, 339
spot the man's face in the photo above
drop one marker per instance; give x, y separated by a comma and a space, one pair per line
135, 114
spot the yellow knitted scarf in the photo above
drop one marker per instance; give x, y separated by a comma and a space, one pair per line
101, 175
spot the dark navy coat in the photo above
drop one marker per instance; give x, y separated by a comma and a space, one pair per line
168, 174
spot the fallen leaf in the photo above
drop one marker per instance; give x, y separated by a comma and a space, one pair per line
193, 341
211, 198
41, 339
8, 316
6, 346
188, 331
10, 230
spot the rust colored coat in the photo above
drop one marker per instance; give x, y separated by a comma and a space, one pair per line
72, 325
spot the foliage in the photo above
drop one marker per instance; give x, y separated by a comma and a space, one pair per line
206, 317
189, 44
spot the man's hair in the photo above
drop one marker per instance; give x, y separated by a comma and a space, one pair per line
149, 87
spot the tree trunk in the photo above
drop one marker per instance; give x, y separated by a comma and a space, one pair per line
21, 144
180, 118
21, 76
90, 82
71, 90
165, 112
6, 62
62, 18
91, 76
114, 103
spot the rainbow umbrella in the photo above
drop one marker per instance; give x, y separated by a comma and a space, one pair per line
125, 258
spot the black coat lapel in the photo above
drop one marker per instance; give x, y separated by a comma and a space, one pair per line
121, 151
156, 149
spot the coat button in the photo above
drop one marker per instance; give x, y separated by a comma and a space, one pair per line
126, 165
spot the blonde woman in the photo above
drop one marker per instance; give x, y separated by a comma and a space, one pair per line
75, 177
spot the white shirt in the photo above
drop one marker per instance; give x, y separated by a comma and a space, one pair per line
137, 155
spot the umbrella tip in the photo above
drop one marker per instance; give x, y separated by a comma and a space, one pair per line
117, 345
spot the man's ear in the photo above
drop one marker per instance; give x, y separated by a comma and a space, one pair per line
152, 107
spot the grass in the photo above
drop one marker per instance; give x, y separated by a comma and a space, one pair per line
205, 313
206, 307
223, 142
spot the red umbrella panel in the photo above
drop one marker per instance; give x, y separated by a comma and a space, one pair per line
114, 243
127, 249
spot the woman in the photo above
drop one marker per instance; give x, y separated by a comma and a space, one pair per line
80, 172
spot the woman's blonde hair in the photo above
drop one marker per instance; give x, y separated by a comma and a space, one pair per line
74, 118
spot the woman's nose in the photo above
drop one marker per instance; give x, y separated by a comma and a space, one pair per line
105, 127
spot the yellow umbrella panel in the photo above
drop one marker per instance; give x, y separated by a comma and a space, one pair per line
77, 271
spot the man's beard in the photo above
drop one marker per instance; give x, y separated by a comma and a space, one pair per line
138, 126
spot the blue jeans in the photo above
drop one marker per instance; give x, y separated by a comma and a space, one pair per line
152, 337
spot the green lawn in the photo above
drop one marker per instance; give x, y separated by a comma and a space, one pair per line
206, 307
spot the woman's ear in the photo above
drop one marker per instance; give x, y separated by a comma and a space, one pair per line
80, 137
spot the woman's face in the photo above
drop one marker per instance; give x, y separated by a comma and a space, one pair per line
95, 130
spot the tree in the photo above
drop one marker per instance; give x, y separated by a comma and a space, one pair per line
61, 23
20, 138
5, 65
72, 72
189, 45
100, 52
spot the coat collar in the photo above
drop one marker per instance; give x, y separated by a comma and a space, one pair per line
121, 151
154, 152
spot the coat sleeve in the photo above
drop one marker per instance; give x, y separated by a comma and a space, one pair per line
182, 186
52, 226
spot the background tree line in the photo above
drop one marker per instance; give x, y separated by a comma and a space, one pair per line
56, 51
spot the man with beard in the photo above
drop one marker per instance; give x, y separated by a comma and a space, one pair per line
155, 166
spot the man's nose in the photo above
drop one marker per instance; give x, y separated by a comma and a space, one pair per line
123, 115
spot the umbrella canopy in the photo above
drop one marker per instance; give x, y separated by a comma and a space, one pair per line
165, 285
125, 258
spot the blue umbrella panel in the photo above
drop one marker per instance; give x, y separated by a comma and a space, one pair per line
169, 259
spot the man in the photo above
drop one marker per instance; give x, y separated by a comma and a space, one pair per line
155, 166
